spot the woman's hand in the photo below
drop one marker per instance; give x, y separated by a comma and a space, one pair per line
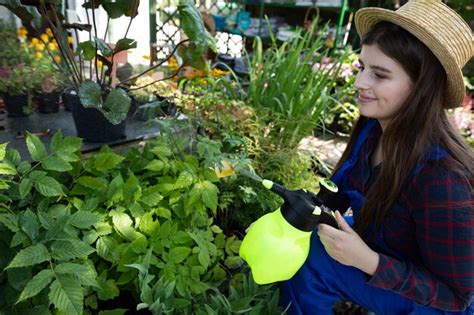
346, 247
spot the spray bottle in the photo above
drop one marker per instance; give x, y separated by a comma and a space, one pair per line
277, 244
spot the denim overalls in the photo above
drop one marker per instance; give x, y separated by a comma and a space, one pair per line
322, 281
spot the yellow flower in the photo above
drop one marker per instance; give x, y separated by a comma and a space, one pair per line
57, 58
39, 46
52, 46
35, 41
38, 55
21, 32
45, 37
49, 32
99, 64
217, 72
70, 39
146, 57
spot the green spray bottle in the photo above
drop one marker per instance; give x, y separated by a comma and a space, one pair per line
277, 244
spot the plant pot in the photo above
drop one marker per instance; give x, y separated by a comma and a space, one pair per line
91, 125
17, 105
48, 102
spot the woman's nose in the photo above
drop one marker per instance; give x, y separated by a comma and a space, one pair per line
360, 81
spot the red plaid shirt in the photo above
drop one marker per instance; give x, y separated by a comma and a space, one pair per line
432, 225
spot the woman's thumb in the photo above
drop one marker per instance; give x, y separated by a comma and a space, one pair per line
342, 223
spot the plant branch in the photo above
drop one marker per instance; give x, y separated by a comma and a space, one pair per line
95, 33
157, 65
128, 27
90, 38
106, 28
81, 61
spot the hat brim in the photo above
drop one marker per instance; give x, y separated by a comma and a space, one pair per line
366, 18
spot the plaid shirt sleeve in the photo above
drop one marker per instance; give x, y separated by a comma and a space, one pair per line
441, 205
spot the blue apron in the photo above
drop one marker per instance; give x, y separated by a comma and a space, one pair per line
322, 281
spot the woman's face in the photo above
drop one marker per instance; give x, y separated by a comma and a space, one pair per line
382, 84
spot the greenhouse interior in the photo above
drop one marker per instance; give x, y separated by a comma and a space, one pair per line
184, 157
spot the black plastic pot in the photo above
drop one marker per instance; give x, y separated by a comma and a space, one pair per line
16, 105
91, 125
48, 102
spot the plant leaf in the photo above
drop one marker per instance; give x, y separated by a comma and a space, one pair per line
25, 186
96, 183
3, 150
30, 256
36, 284
83, 219
87, 48
81, 273
53, 163
125, 44
70, 249
35, 147
209, 195
90, 94
179, 254
107, 160
67, 295
116, 106
48, 187
7, 169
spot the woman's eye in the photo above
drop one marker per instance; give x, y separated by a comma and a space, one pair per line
379, 76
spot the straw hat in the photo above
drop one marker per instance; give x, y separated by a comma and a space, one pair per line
441, 29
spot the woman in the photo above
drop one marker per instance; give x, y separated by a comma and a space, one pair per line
407, 173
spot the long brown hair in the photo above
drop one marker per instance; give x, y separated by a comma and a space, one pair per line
420, 123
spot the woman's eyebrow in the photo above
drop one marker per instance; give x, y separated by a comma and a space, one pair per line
379, 68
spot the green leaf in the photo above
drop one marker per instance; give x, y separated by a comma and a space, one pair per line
82, 274
103, 47
185, 179
83, 219
10, 221
36, 284
161, 151
125, 44
67, 250
48, 187
96, 183
25, 186
56, 141
3, 150
179, 254
151, 196
106, 246
30, 225
116, 106
30, 256
24, 167
7, 169
35, 147
155, 165
209, 195
107, 160
90, 94
67, 296
109, 290
13, 157
53, 163
87, 48
148, 225
204, 259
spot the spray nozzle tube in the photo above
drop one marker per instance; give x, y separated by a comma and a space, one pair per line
303, 209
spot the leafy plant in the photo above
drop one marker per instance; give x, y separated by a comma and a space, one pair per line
97, 87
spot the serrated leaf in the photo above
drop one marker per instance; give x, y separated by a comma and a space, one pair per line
3, 150
67, 296
36, 284
204, 259
161, 151
10, 221
25, 187
151, 196
107, 160
12, 157
83, 219
155, 165
67, 250
106, 247
30, 256
7, 169
30, 225
35, 147
109, 290
48, 187
56, 141
209, 195
185, 179
148, 225
97, 183
24, 167
81, 273
53, 163
179, 254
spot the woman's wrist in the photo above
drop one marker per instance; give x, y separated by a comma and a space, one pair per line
370, 263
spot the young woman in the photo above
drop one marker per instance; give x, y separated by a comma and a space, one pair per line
407, 174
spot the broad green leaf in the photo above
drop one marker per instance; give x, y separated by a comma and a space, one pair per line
83, 274
96, 183
30, 225
103, 47
37, 175
12, 157
53, 163
67, 295
163, 212
106, 246
109, 290
7, 169
24, 167
25, 186
3, 150
148, 225
233, 262
48, 187
209, 195
87, 48
162, 151
30, 256
90, 94
56, 141
116, 106
179, 254
71, 144
36, 284
107, 160
125, 44
204, 259
83, 219
67, 250
151, 196
155, 165
10, 221
35, 147
185, 179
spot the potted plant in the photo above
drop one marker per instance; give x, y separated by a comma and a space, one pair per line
15, 88
92, 66
48, 84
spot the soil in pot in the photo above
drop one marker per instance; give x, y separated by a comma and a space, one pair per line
91, 125
48, 102
17, 105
